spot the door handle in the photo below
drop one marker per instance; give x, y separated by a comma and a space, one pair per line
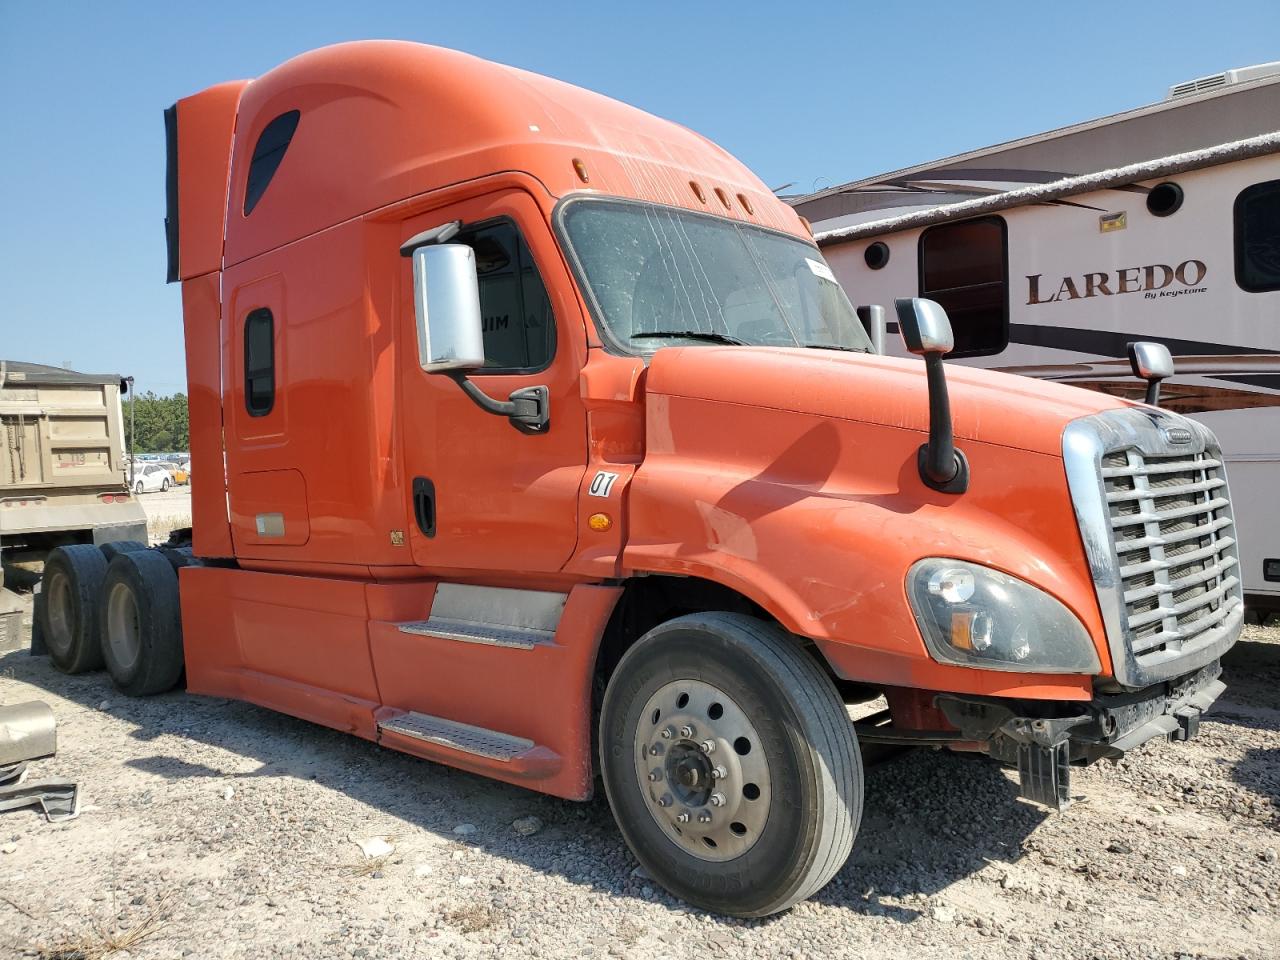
424, 505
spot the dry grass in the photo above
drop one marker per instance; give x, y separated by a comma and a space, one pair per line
159, 528
366, 865
472, 918
91, 939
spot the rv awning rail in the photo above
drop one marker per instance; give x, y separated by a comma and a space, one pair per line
1068, 186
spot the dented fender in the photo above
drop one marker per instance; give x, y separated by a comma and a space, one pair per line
818, 521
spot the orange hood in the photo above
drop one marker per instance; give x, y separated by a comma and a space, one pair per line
998, 408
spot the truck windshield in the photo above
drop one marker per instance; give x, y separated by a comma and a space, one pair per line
660, 275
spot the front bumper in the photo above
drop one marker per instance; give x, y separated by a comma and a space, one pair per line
1044, 740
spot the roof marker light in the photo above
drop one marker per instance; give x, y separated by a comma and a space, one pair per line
724, 197
697, 191
746, 203
580, 169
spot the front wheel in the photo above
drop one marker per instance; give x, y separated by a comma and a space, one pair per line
138, 488
164, 485
730, 764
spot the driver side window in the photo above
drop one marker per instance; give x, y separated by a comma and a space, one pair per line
519, 327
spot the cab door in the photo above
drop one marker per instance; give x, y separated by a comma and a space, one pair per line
486, 497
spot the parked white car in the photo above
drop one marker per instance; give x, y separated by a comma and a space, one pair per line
151, 477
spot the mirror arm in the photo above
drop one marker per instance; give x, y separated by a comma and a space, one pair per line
1153, 392
528, 409
942, 467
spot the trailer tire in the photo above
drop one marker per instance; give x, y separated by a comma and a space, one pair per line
178, 557
141, 623
71, 583
767, 816
116, 547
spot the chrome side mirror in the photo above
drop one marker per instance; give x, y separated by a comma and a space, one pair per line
446, 302
1151, 362
926, 330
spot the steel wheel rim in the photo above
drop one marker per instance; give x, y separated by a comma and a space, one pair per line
123, 632
702, 770
57, 605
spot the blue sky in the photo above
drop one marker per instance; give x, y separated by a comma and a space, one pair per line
833, 93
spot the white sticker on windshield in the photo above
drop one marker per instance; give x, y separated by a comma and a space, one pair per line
820, 269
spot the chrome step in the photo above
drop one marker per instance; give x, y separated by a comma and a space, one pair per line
479, 741
515, 637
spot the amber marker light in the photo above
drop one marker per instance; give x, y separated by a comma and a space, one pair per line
599, 522
698, 191
580, 169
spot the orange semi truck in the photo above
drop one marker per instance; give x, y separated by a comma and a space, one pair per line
554, 452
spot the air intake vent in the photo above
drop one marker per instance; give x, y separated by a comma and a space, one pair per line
1224, 79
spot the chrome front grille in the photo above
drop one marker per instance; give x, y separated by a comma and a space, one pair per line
1151, 497
1173, 539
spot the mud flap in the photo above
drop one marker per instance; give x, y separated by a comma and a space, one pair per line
1044, 774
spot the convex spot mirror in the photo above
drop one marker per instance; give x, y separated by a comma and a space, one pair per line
924, 326
446, 302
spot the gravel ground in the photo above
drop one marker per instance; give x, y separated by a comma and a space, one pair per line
216, 829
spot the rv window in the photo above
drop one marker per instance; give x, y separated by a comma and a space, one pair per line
259, 363
1257, 218
519, 328
267, 154
964, 266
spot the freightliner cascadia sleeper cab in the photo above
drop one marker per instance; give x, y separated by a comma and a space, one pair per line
553, 452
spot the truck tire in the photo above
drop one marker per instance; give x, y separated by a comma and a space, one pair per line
178, 557
141, 623
71, 583
116, 547
767, 815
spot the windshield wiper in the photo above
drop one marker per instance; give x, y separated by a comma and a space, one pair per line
833, 346
690, 335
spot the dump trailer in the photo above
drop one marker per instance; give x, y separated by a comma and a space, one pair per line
62, 469
63, 477
537, 439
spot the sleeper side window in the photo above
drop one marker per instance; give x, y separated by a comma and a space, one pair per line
259, 363
519, 327
267, 154
1257, 240
965, 267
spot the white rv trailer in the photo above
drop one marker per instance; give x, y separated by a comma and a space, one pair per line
1053, 252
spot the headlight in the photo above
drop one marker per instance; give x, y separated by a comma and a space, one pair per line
974, 616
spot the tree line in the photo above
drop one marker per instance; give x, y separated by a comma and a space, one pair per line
160, 423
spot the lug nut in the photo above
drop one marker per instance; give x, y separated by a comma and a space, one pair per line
655, 776
664, 800
682, 816
707, 746
719, 773
717, 799
655, 751
687, 732
704, 817
668, 733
